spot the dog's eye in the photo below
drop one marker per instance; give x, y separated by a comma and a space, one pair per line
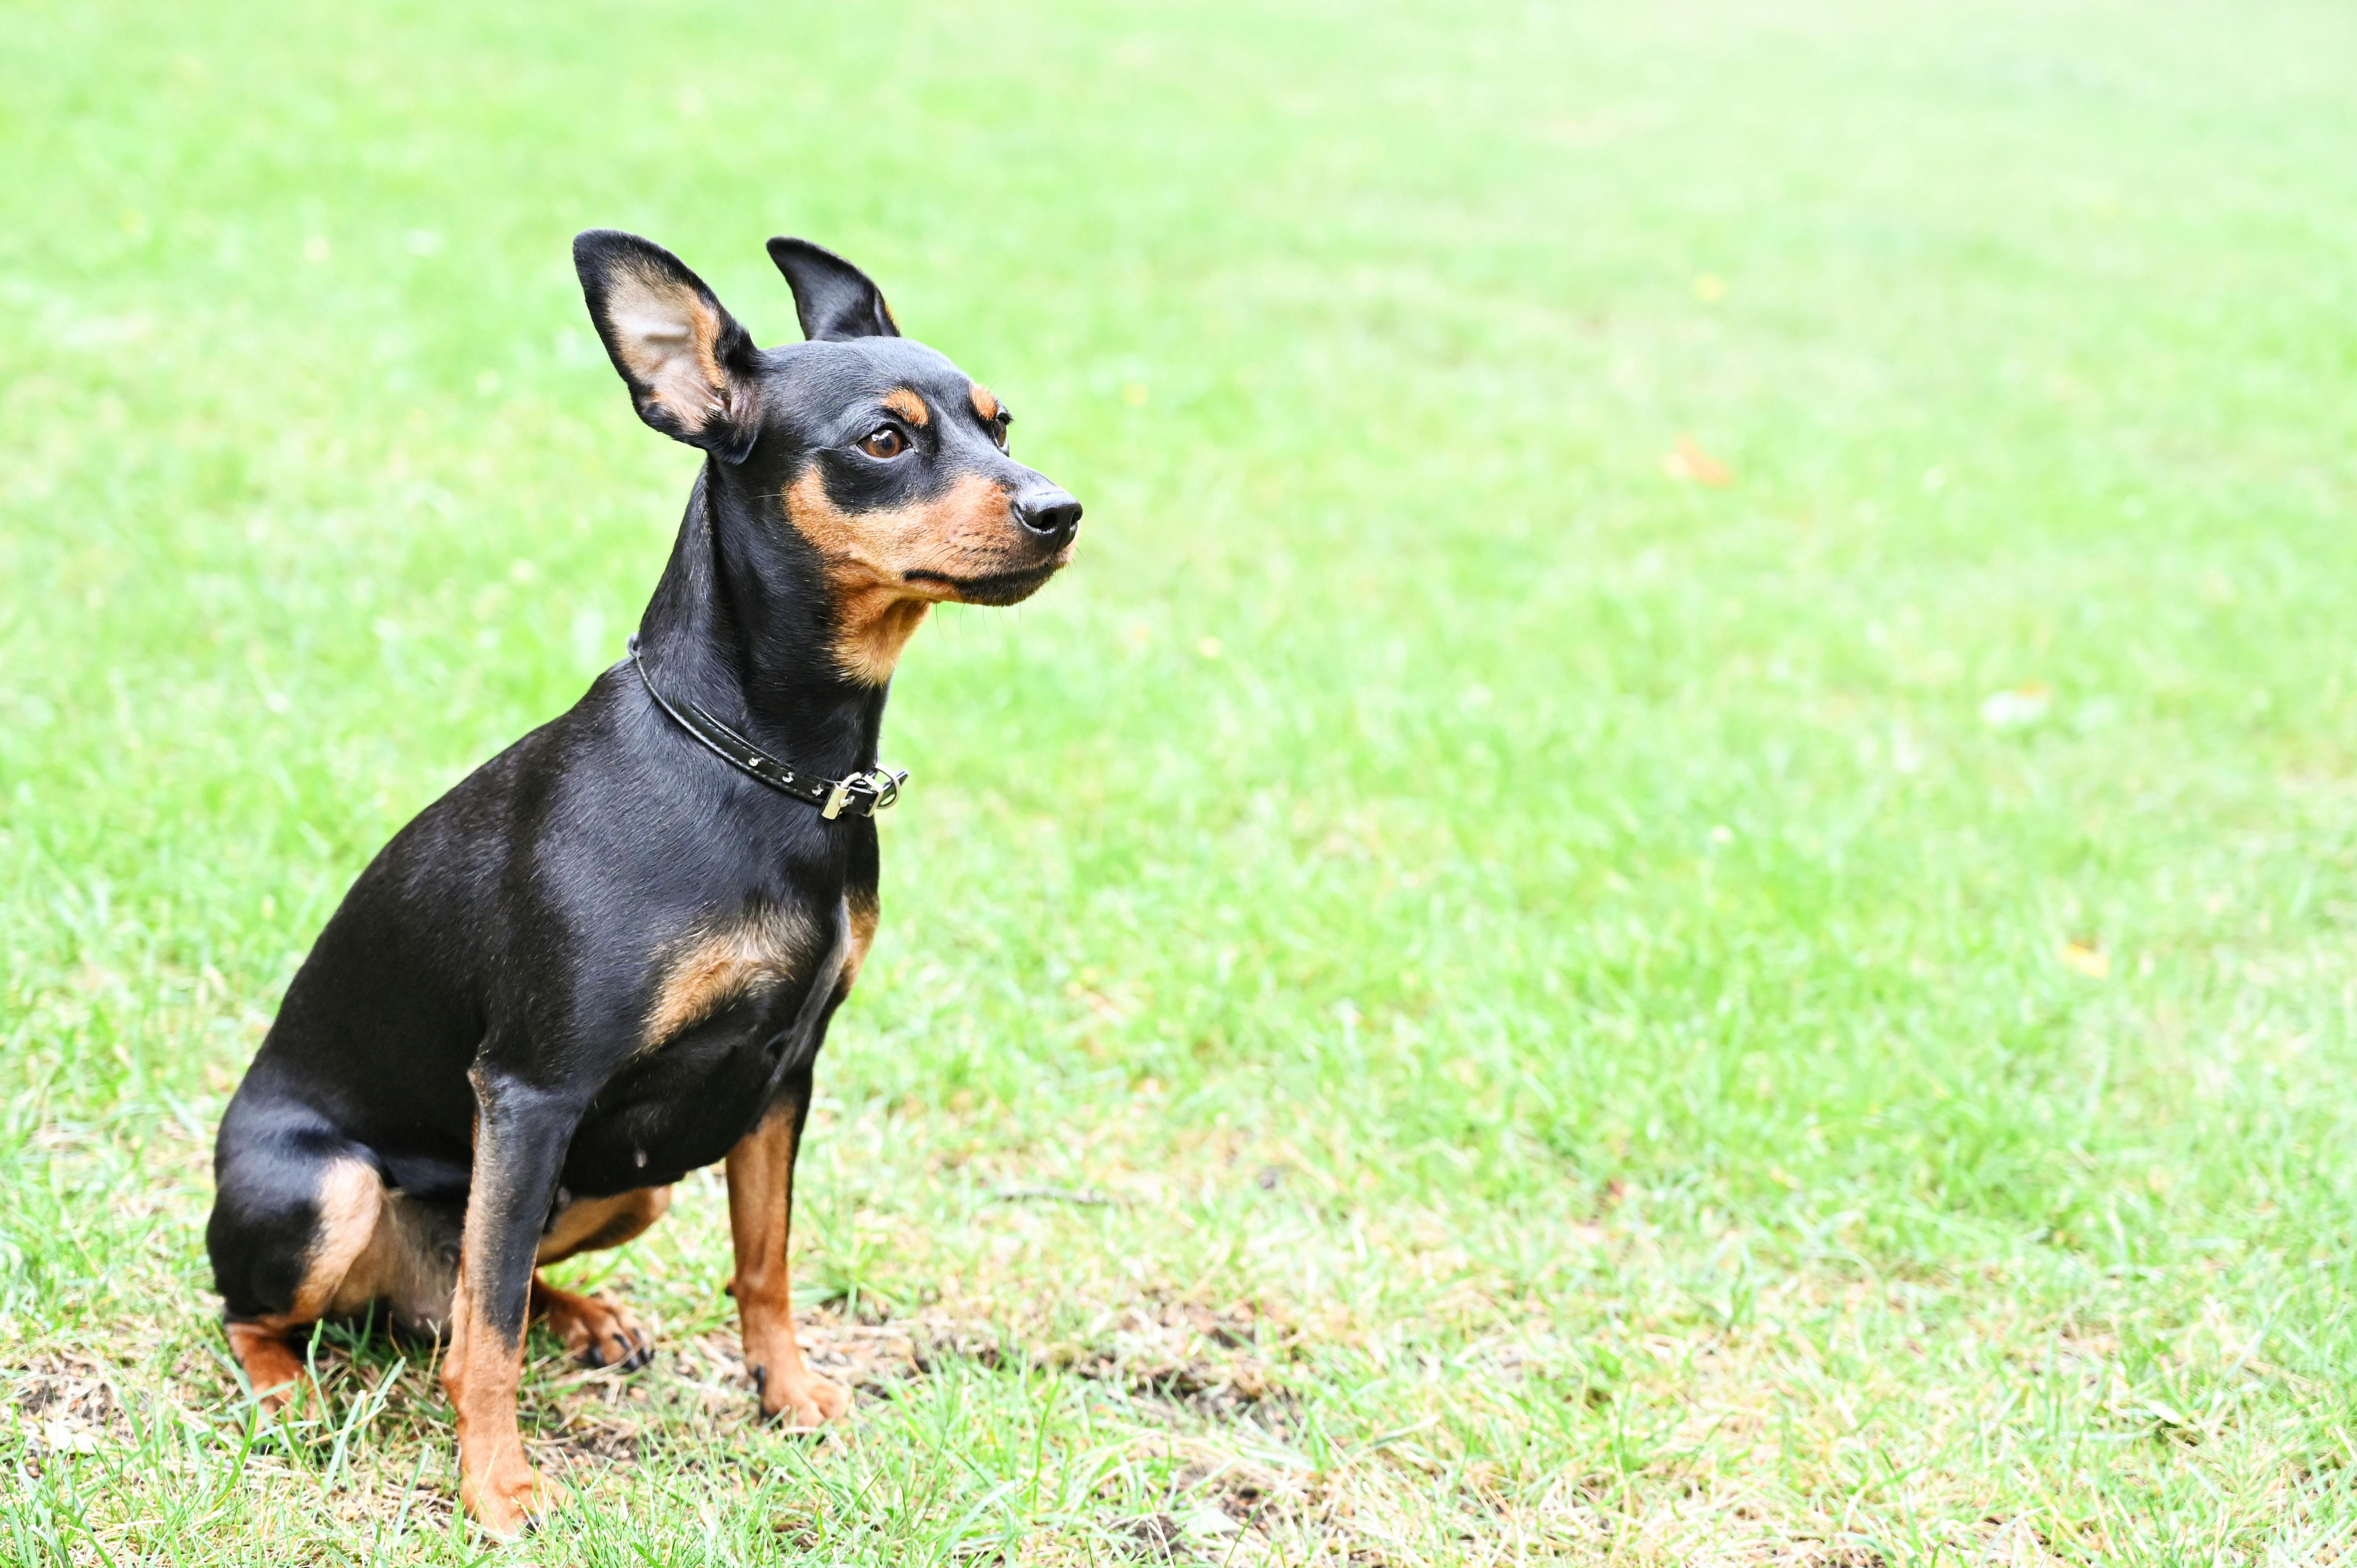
884, 441
998, 429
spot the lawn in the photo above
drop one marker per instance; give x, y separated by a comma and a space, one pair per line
1680, 870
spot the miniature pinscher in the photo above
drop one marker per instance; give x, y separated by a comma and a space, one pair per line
610, 955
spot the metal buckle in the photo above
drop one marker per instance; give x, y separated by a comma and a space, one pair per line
885, 782
883, 787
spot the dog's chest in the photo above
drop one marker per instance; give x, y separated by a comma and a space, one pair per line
730, 1009
750, 957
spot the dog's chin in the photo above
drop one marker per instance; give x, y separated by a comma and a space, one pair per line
1004, 587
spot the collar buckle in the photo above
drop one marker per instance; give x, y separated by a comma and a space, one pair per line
881, 788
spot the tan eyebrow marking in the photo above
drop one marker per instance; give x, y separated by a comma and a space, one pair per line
985, 405
909, 406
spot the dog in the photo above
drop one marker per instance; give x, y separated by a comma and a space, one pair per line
609, 957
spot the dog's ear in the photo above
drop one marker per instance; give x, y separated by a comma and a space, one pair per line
692, 371
833, 298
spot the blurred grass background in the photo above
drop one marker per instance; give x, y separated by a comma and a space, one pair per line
1691, 811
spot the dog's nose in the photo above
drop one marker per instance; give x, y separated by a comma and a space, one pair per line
1050, 514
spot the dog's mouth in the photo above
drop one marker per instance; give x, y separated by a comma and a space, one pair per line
995, 587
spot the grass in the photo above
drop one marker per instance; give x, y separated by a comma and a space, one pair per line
1685, 851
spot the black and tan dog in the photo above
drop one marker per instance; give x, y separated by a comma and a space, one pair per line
609, 957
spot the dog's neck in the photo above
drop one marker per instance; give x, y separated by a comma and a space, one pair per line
746, 628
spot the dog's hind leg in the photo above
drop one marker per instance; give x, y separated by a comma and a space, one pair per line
598, 1332
297, 1209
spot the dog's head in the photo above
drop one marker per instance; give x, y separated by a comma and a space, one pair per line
883, 457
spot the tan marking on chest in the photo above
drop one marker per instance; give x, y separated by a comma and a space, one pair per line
712, 969
860, 915
969, 531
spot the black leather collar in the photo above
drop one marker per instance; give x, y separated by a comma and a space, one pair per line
866, 792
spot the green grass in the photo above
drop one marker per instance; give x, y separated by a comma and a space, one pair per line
1603, 1050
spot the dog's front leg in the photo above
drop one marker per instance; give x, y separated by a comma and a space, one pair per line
521, 1135
761, 1212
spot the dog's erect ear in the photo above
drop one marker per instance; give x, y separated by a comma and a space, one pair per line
691, 369
833, 298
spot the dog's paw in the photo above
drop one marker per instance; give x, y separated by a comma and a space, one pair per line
278, 1400
802, 1399
275, 1373
506, 1500
598, 1332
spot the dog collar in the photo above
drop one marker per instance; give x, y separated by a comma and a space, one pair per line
874, 790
